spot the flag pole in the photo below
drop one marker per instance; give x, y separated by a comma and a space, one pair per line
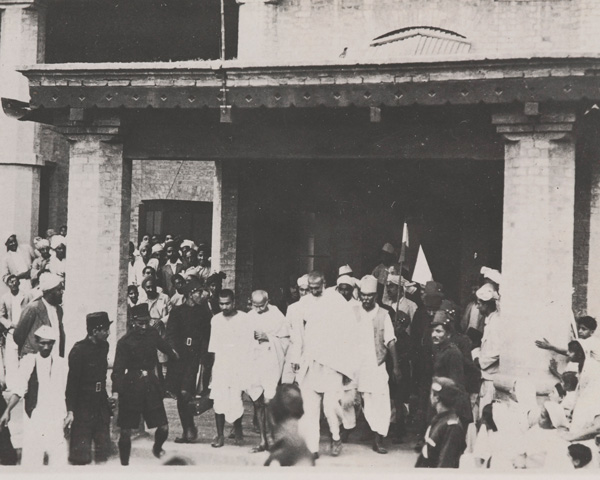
401, 263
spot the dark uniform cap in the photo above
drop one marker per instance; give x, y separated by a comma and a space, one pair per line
139, 312
446, 390
433, 295
97, 320
441, 317
192, 285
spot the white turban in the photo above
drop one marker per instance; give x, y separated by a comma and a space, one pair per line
42, 243
6, 236
344, 270
58, 240
48, 281
368, 284
494, 275
46, 333
157, 248
487, 293
187, 243
303, 281
346, 280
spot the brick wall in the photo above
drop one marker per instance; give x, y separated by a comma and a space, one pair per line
169, 179
302, 30
99, 196
537, 250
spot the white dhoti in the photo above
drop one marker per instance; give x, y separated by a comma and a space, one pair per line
288, 374
486, 394
347, 407
377, 411
43, 435
324, 384
11, 362
374, 390
228, 402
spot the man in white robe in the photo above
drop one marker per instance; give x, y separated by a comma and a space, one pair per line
271, 340
328, 361
230, 339
295, 322
42, 382
376, 341
17, 261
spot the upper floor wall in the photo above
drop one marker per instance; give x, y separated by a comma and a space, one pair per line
292, 31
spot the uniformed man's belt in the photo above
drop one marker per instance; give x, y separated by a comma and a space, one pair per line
94, 387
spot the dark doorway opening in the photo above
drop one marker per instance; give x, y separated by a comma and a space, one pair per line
323, 214
189, 220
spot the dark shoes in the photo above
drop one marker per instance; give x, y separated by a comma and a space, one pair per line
218, 442
190, 435
158, 452
336, 447
378, 444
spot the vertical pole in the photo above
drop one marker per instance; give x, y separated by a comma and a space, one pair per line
222, 30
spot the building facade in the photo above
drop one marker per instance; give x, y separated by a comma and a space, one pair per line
473, 120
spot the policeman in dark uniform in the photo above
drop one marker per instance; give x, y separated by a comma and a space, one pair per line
188, 332
136, 383
444, 441
87, 401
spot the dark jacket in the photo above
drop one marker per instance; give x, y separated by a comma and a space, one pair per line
444, 442
188, 329
86, 384
134, 371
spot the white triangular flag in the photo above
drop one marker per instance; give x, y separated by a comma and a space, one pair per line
422, 273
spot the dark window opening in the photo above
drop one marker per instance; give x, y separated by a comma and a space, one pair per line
190, 220
94, 31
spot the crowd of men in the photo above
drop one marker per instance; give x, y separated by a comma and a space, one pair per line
379, 351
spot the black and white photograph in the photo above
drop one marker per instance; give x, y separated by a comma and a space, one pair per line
356, 236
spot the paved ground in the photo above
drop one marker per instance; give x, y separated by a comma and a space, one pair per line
356, 453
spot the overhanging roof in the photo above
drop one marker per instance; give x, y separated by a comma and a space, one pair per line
428, 81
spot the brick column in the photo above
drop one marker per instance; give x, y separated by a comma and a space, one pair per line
257, 30
22, 37
537, 249
98, 219
225, 221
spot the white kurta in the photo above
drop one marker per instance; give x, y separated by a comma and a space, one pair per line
587, 404
43, 432
329, 354
230, 341
11, 350
295, 324
54, 325
267, 357
372, 378
16, 263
